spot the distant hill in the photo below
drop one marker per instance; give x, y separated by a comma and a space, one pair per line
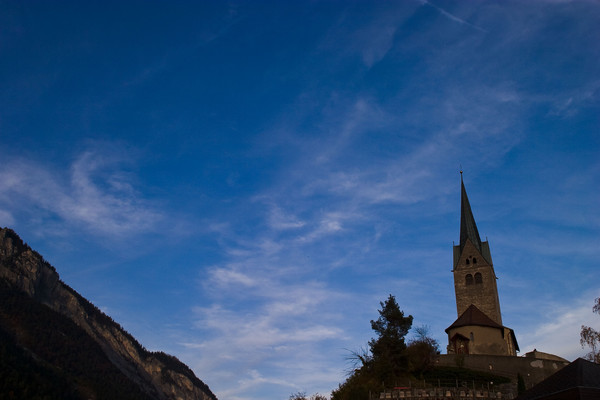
54, 344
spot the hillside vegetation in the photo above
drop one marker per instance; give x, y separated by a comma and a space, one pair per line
390, 361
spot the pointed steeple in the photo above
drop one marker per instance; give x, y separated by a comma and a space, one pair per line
468, 228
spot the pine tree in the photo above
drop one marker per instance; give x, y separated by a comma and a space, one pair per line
388, 349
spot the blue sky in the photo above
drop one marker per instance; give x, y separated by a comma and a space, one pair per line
241, 183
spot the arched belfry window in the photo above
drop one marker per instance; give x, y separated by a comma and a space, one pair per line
478, 278
469, 279
467, 261
474, 260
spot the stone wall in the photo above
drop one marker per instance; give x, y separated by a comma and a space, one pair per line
533, 370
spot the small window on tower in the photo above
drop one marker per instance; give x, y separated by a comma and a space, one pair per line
478, 278
469, 279
467, 261
474, 260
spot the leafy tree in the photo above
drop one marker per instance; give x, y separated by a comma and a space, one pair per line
422, 351
359, 359
591, 337
298, 396
302, 396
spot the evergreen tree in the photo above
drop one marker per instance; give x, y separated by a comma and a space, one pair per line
388, 349
387, 361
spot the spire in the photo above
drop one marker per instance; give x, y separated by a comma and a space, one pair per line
468, 228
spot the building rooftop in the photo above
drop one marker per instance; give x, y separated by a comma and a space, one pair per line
474, 316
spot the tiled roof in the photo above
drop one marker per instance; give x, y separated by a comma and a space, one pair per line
474, 316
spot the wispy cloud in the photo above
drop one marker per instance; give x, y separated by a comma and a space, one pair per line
280, 220
559, 332
96, 194
488, 118
276, 336
452, 16
370, 38
570, 103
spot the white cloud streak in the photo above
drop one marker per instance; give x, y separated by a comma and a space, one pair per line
274, 338
560, 332
96, 195
452, 16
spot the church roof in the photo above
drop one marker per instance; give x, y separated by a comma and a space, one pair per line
578, 380
474, 316
468, 228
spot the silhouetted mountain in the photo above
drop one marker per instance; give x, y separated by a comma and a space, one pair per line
54, 344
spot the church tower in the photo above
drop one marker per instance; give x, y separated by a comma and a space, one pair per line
474, 276
478, 329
